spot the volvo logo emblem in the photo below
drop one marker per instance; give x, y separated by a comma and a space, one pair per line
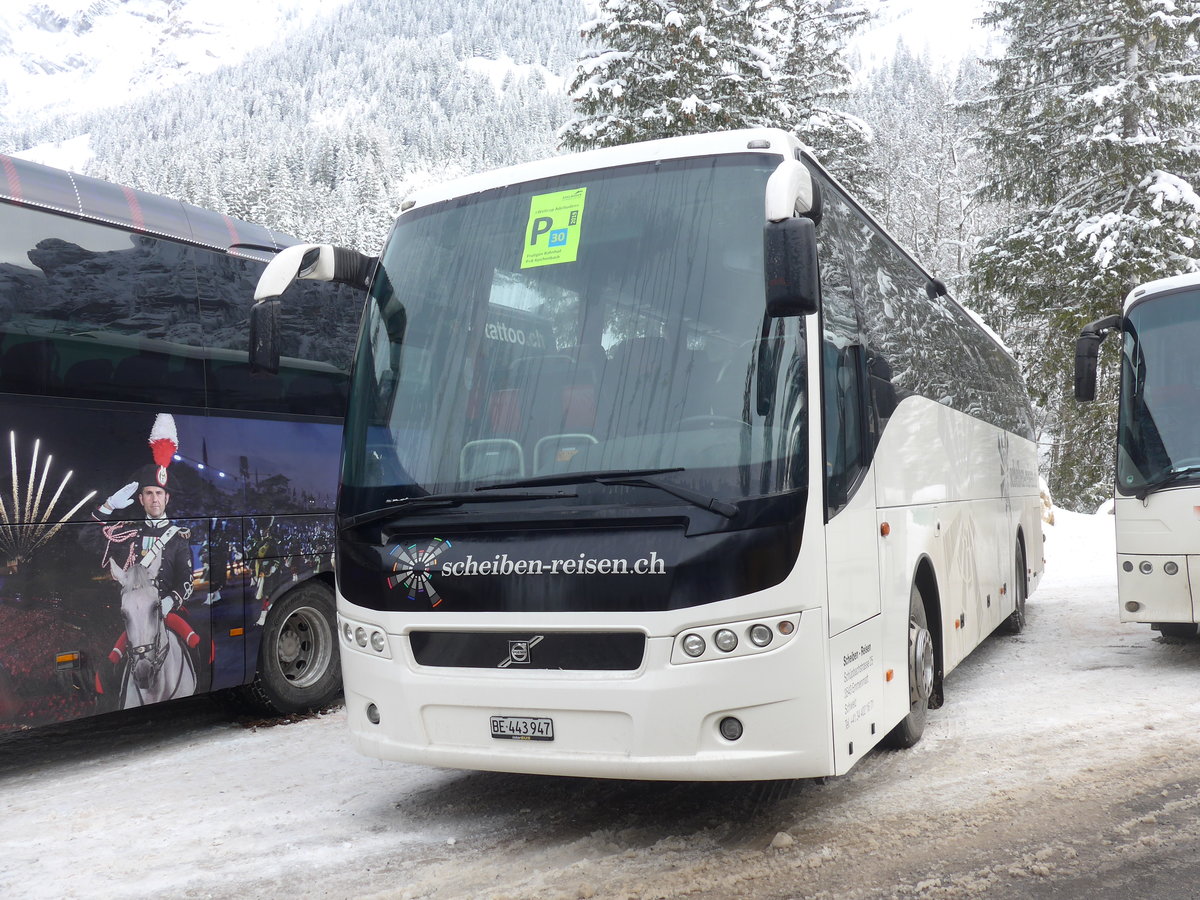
518, 652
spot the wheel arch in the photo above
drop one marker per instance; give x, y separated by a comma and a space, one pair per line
925, 579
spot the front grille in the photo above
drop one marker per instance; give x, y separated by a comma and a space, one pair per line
517, 650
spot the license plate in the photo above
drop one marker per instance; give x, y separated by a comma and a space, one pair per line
522, 728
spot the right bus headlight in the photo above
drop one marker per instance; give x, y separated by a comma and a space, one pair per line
732, 639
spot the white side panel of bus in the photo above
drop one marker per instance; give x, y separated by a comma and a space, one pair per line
856, 682
940, 477
852, 559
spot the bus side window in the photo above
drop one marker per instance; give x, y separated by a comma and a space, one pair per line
843, 375
319, 328
99, 313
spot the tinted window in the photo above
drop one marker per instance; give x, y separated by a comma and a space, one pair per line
918, 343
846, 449
96, 312
319, 325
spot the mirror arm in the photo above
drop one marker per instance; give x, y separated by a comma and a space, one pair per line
1087, 355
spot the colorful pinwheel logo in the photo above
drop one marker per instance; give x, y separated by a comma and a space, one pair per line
411, 569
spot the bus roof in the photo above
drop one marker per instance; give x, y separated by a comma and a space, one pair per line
31, 184
765, 140
1161, 286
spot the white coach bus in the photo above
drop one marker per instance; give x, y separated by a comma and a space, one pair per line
1158, 450
665, 461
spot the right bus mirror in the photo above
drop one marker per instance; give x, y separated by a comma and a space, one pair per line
1087, 355
264, 336
792, 273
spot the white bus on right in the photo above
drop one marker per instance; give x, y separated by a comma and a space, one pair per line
1158, 450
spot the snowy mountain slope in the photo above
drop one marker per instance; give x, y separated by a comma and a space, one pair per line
71, 56
63, 56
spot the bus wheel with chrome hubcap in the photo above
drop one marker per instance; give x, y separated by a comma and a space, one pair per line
920, 676
298, 664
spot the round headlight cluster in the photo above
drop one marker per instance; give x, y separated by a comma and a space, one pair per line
364, 636
726, 639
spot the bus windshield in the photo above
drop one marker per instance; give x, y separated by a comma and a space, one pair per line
1159, 430
634, 338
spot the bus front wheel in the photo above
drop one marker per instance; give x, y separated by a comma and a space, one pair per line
298, 664
920, 676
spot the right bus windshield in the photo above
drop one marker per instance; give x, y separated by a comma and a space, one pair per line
1159, 428
641, 344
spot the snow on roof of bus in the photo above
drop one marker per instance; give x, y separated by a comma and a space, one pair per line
773, 140
33, 184
1161, 285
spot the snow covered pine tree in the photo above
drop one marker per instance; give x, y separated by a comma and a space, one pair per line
1090, 131
662, 69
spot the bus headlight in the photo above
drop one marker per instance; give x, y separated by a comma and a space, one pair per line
693, 645
360, 636
378, 641
725, 640
760, 635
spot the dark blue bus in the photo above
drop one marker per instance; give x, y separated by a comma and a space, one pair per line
166, 518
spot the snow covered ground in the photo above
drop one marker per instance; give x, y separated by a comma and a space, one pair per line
1036, 771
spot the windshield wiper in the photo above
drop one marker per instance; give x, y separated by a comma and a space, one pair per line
626, 478
1173, 475
404, 505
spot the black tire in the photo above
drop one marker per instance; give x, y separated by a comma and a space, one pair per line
1015, 623
921, 672
299, 668
1176, 632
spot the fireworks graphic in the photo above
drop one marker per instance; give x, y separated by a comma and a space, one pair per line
411, 568
25, 524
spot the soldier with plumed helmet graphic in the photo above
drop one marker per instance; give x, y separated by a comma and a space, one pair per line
151, 538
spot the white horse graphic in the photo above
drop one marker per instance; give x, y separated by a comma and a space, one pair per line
158, 666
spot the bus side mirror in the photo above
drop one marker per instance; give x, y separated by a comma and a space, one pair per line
264, 336
1087, 355
315, 262
792, 274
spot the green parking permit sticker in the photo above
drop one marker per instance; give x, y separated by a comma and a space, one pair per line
552, 233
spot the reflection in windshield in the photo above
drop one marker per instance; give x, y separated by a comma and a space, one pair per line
1159, 428
642, 344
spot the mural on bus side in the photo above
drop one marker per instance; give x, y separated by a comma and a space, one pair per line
140, 553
